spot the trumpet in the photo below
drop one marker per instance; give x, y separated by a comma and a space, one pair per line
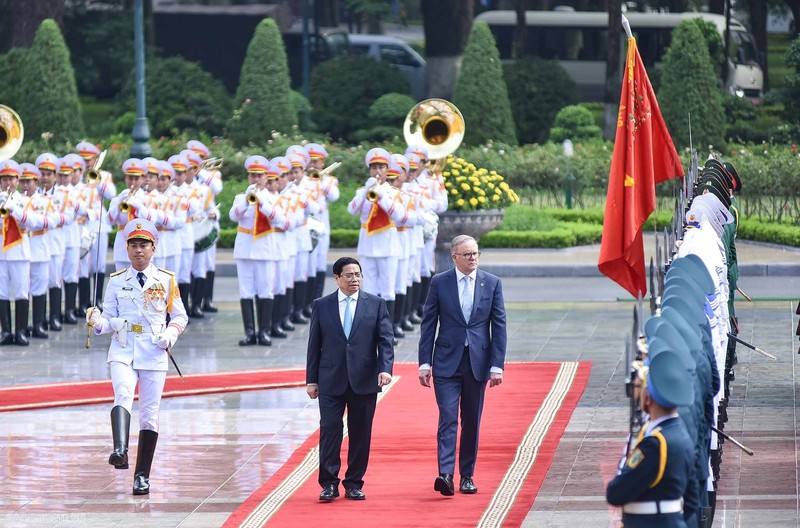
124, 206
4, 211
318, 174
93, 175
250, 195
212, 164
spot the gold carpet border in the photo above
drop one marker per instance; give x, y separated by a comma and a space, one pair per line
528, 449
273, 502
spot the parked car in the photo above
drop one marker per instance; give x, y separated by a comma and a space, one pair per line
325, 44
397, 53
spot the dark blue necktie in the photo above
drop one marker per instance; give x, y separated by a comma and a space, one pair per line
141, 278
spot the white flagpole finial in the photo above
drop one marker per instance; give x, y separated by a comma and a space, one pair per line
626, 26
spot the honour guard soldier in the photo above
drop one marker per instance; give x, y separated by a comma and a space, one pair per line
135, 308
63, 206
380, 208
18, 219
284, 278
398, 168
191, 206
654, 486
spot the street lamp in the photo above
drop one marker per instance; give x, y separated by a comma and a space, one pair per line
569, 178
141, 130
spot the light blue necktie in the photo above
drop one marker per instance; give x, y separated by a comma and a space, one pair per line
348, 316
466, 298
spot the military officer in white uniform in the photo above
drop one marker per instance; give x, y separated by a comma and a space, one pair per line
135, 308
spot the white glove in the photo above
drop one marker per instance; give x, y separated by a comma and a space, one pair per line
167, 338
94, 317
117, 324
136, 203
372, 182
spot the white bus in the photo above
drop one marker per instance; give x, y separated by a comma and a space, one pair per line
577, 40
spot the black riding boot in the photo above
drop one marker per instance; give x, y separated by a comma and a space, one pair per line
299, 303
402, 307
390, 310
396, 315
288, 307
98, 296
277, 314
70, 290
55, 309
144, 460
183, 288
424, 286
249, 322
319, 284
208, 295
20, 321
120, 433
265, 307
84, 297
198, 289
311, 284
39, 317
6, 337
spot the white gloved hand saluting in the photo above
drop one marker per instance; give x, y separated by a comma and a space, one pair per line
168, 338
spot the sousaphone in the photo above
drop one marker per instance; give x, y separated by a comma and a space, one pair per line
436, 124
11, 133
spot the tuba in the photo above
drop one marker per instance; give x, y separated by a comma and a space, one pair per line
11, 132
437, 124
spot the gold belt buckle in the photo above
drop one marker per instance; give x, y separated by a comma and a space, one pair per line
137, 328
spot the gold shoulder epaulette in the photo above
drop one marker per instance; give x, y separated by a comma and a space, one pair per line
168, 272
123, 270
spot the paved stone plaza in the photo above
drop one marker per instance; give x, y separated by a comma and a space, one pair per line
215, 450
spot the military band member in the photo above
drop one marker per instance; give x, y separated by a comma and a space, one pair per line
135, 308
72, 182
130, 204
169, 202
191, 206
326, 192
15, 254
287, 244
62, 205
419, 233
398, 167
655, 484
98, 192
211, 178
255, 248
380, 208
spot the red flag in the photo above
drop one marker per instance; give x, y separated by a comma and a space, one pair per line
643, 156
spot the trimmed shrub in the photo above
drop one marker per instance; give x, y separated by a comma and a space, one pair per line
540, 88
387, 114
689, 87
10, 68
789, 93
575, 122
182, 97
480, 92
263, 102
48, 96
343, 89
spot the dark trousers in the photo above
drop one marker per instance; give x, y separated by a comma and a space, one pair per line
360, 412
464, 391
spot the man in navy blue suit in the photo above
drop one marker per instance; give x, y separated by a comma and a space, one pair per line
470, 348
350, 357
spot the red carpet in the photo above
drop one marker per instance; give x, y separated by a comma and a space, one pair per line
523, 421
21, 397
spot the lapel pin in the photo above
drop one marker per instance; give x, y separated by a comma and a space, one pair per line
481, 285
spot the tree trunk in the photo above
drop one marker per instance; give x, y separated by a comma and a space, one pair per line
519, 34
447, 25
758, 25
613, 69
794, 7
326, 12
716, 6
22, 19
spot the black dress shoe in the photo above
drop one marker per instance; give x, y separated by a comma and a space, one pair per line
55, 324
6, 338
406, 325
39, 331
329, 492
444, 484
467, 486
263, 338
299, 318
307, 311
196, 312
277, 332
354, 494
209, 307
398, 331
287, 325
414, 318
69, 317
249, 339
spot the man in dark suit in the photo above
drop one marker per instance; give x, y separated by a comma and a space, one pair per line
350, 357
467, 305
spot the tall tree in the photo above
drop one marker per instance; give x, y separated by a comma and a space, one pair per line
447, 25
758, 25
22, 19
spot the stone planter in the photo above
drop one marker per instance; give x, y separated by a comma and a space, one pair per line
454, 223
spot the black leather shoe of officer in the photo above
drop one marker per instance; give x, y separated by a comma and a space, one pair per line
307, 311
39, 331
141, 485
406, 325
444, 484
6, 338
354, 494
196, 312
209, 307
249, 339
287, 325
329, 492
263, 338
277, 332
467, 486
54, 324
20, 339
398, 331
414, 318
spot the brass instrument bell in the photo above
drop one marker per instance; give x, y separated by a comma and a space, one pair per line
436, 124
11, 132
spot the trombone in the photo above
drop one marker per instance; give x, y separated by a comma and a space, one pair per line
318, 174
93, 175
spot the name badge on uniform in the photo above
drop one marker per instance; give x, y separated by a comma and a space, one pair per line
127, 288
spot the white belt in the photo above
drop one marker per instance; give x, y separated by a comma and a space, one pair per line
653, 507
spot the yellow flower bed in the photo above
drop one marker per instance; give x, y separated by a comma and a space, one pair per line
471, 188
